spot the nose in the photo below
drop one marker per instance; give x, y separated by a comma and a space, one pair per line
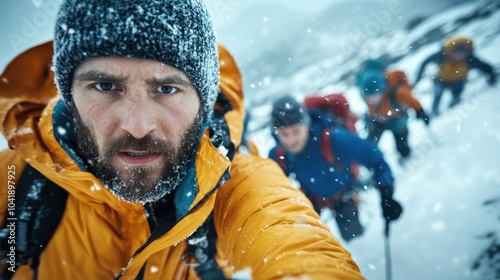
139, 118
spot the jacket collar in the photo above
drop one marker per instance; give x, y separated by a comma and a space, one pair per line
64, 133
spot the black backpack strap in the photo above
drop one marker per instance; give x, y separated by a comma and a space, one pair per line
219, 129
41, 206
202, 246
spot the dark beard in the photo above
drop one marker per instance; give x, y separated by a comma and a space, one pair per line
140, 186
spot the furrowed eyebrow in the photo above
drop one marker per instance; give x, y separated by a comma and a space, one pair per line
94, 75
172, 79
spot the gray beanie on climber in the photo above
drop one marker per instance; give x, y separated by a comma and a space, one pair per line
175, 32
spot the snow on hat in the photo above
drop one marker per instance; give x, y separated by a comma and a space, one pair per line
175, 32
287, 111
463, 43
373, 82
371, 77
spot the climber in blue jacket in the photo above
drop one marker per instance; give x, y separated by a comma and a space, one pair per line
324, 160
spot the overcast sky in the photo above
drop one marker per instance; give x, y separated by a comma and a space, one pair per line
27, 23
224, 10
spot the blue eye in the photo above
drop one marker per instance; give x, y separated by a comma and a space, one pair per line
105, 86
166, 89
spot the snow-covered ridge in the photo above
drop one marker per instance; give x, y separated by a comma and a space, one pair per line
402, 47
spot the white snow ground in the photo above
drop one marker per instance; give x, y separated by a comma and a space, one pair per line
450, 191
444, 190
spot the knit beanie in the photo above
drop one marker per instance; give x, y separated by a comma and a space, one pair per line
374, 64
287, 111
175, 32
371, 77
373, 82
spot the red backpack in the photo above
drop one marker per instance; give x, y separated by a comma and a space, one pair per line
335, 108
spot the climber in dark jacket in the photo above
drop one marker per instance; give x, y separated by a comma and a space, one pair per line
454, 62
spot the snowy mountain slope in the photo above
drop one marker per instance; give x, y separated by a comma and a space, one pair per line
265, 47
339, 31
451, 197
270, 23
479, 20
450, 190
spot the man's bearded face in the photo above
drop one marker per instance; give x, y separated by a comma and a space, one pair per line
138, 183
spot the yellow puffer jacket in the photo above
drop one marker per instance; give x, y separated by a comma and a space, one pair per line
452, 71
262, 222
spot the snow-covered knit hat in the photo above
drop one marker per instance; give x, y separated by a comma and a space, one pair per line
175, 32
287, 111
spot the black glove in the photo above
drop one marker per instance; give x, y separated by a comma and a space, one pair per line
423, 116
492, 80
391, 209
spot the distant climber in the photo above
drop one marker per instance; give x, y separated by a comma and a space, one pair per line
454, 60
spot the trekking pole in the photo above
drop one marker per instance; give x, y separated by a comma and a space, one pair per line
388, 268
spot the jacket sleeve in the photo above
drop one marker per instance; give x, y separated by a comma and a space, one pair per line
404, 96
475, 62
268, 226
435, 58
364, 152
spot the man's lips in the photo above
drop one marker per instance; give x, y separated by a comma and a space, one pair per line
132, 157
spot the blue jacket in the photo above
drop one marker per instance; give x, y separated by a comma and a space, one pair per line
318, 177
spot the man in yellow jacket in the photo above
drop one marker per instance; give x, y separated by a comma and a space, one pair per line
139, 141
